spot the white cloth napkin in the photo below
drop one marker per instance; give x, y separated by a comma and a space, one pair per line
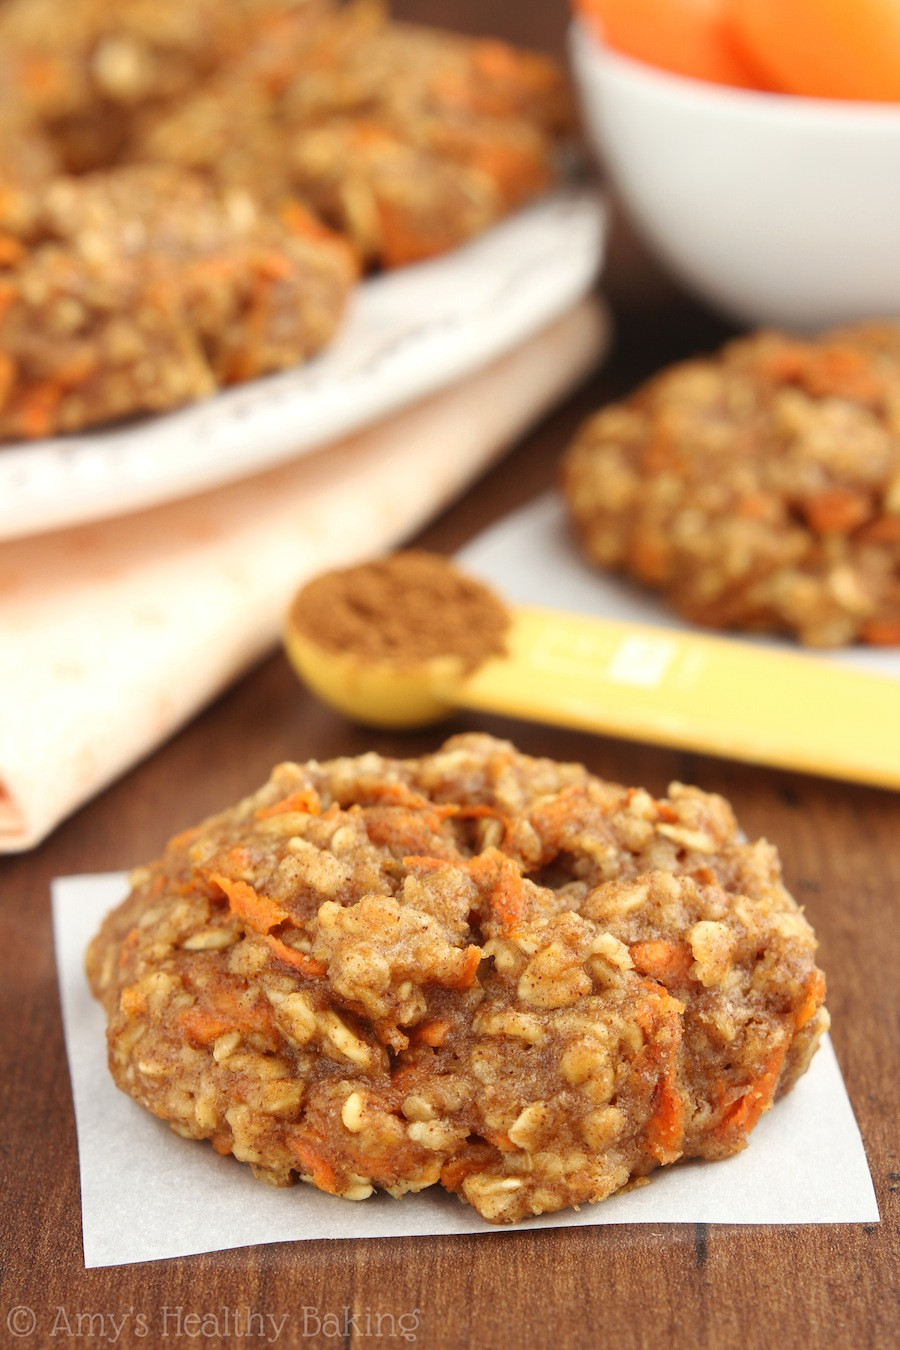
113, 634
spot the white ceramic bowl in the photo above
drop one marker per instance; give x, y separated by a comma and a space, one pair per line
775, 209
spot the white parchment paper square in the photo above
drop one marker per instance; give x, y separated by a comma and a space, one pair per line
147, 1194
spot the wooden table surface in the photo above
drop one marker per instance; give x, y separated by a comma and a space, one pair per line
621, 1287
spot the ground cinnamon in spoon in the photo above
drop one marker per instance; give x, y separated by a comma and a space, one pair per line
405, 609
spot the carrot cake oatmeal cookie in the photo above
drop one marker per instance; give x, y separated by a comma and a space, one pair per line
759, 488
144, 288
89, 71
476, 969
409, 140
276, 123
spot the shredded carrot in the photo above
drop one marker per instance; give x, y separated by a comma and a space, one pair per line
433, 1033
832, 371
485, 813
837, 510
370, 136
662, 960
454, 1173
273, 266
401, 818
203, 1026
815, 997
784, 363
76, 370
659, 1017
497, 84
665, 810
160, 292
411, 831
479, 812
661, 446
11, 251
514, 167
129, 942
881, 632
466, 978
132, 1000
185, 837
842, 372
508, 899
664, 1002
495, 60
757, 506
307, 965
225, 1008
665, 1130
740, 1118
649, 557
398, 794
314, 1162
42, 75
405, 240
236, 860
307, 800
451, 91
256, 910
302, 223
517, 173
244, 363
424, 862
37, 407
507, 896
475, 1159
500, 1140
491, 870
523, 72
552, 816
216, 267
884, 530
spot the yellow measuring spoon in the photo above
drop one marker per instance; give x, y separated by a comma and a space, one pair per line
640, 682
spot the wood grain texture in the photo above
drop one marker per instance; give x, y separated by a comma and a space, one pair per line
619, 1287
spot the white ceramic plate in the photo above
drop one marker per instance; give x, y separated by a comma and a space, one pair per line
407, 334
